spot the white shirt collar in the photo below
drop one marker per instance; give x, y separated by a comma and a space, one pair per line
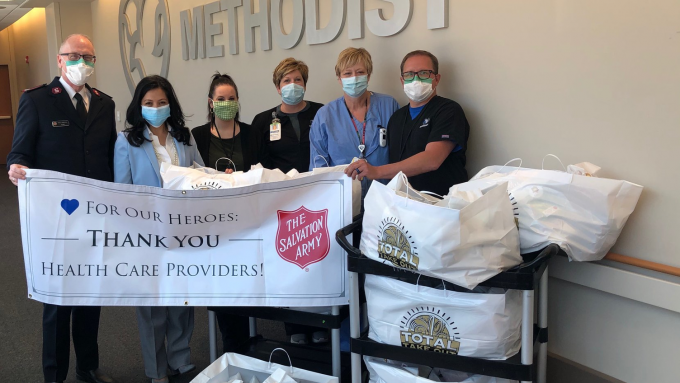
71, 92
151, 135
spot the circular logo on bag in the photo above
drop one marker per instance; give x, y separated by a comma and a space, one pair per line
429, 329
515, 208
396, 245
207, 185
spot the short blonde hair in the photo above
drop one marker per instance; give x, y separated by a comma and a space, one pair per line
287, 66
352, 56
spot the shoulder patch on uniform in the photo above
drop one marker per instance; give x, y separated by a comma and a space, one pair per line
37, 87
100, 93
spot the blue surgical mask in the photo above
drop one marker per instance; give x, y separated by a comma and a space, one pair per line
156, 116
355, 86
292, 94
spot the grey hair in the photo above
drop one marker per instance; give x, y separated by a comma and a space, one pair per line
74, 35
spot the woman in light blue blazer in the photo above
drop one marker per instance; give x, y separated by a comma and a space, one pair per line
156, 133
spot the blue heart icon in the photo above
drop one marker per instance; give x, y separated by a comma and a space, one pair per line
69, 205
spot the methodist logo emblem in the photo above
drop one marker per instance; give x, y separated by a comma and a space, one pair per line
396, 246
302, 237
130, 37
429, 329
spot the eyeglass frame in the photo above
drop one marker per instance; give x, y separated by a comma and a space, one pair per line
94, 58
416, 74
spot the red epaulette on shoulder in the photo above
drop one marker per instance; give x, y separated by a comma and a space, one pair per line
37, 87
100, 93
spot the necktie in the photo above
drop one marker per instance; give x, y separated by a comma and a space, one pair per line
80, 107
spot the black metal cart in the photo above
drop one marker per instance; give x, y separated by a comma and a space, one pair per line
529, 365
325, 360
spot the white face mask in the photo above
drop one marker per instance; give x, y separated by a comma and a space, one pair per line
79, 73
418, 91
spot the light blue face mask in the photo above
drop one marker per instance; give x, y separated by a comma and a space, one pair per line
292, 94
355, 86
156, 116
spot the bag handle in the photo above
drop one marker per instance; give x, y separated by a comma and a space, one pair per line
508, 163
324, 160
418, 281
554, 156
269, 366
405, 179
225, 158
432, 194
418, 286
504, 166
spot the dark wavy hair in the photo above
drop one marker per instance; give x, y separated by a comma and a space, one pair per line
136, 124
217, 80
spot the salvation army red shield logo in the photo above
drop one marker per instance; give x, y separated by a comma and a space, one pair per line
302, 237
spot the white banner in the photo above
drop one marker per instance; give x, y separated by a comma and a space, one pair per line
89, 242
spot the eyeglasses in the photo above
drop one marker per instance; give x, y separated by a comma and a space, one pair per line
422, 75
77, 56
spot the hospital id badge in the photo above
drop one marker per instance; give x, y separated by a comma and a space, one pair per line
275, 131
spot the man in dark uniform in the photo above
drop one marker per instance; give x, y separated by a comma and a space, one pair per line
427, 138
68, 127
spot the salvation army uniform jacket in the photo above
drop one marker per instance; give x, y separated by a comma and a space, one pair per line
50, 135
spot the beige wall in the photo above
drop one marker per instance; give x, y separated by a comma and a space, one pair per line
30, 39
7, 58
75, 17
53, 26
62, 20
594, 81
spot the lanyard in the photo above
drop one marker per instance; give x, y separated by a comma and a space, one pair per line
362, 138
233, 144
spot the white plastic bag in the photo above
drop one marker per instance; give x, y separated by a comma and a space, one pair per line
230, 364
460, 199
184, 178
202, 178
387, 371
478, 325
279, 376
465, 247
584, 215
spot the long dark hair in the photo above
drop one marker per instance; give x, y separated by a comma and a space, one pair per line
136, 124
217, 80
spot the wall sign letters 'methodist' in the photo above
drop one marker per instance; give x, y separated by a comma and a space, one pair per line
198, 29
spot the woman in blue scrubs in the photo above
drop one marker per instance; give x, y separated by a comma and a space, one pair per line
349, 127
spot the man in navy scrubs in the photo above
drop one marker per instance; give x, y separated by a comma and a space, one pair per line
427, 138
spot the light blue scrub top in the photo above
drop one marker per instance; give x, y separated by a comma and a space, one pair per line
333, 137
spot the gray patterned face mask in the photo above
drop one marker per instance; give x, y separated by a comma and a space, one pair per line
225, 110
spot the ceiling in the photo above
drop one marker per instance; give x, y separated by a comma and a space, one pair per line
13, 10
